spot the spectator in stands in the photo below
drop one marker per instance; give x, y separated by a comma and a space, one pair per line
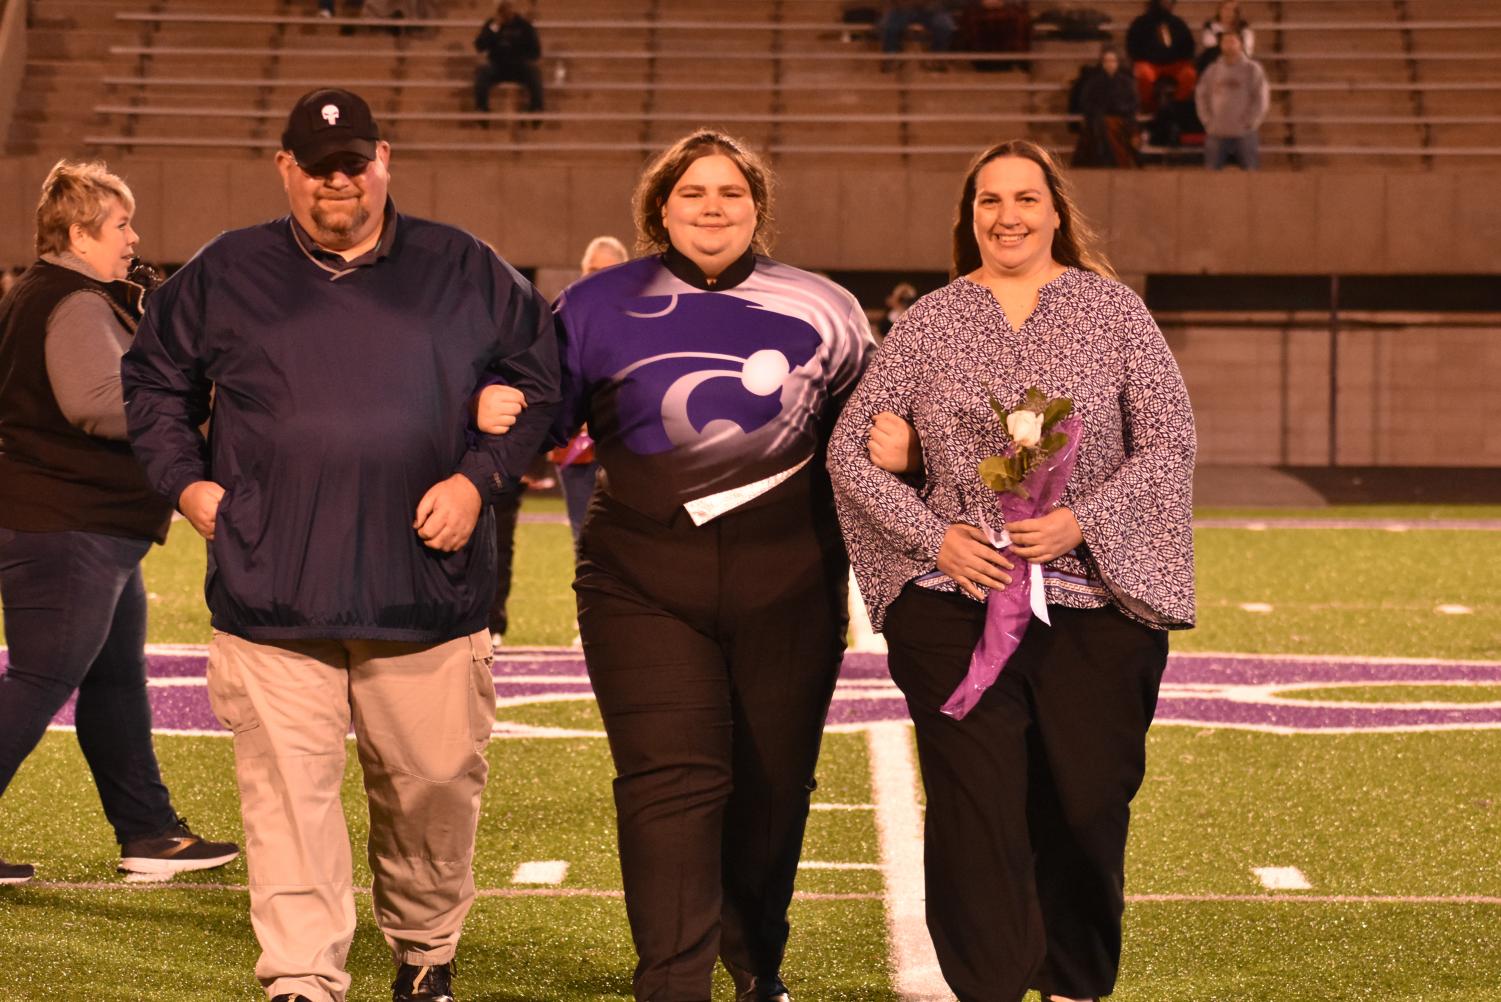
1105, 98
325, 8
512, 50
1161, 45
932, 15
577, 468
77, 515
1226, 18
712, 583
1232, 101
898, 300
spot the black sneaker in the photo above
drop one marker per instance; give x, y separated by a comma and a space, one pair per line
174, 851
427, 983
16, 873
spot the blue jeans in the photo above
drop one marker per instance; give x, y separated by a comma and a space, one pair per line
1246, 150
938, 22
75, 619
577, 481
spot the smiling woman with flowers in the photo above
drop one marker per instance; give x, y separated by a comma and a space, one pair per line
1029, 789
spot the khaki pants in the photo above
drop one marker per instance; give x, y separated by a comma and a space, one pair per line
422, 716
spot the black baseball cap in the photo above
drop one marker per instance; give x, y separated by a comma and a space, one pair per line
330, 122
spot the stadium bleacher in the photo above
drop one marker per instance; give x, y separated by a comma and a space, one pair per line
1352, 83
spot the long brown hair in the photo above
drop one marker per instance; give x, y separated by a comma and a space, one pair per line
665, 171
1075, 243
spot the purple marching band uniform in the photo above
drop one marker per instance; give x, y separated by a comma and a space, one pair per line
711, 587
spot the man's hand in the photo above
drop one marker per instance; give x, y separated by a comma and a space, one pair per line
199, 504
496, 408
893, 444
1039, 540
447, 513
967, 557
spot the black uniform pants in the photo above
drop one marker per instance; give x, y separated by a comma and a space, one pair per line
713, 651
1029, 795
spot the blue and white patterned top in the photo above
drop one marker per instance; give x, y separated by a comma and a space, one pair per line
1091, 339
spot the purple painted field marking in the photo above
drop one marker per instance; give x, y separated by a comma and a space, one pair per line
1248, 692
1367, 524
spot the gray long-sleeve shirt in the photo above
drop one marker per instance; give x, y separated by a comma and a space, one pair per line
85, 341
1232, 98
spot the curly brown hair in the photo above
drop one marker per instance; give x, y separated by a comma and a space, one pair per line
664, 172
1075, 244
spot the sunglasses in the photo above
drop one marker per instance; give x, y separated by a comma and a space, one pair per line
349, 166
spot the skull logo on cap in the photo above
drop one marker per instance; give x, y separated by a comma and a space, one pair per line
330, 113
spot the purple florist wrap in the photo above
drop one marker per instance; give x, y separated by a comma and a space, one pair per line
1009, 610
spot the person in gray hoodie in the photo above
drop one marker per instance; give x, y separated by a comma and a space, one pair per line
1232, 99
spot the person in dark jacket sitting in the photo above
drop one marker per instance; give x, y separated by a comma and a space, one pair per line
1160, 44
346, 501
511, 49
1106, 101
77, 516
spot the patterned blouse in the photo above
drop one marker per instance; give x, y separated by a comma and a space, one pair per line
1091, 339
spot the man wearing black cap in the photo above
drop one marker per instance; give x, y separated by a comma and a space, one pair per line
351, 547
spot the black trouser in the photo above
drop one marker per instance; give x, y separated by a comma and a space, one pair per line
713, 652
507, 514
1029, 795
487, 75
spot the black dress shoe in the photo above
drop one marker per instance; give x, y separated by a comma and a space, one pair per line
423, 983
757, 989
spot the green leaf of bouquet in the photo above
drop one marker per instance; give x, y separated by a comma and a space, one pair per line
1020, 490
1035, 399
1054, 442
995, 473
1000, 411
1057, 410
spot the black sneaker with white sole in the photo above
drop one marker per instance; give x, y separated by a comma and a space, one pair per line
16, 873
423, 983
175, 850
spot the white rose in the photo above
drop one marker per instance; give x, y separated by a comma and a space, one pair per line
1024, 427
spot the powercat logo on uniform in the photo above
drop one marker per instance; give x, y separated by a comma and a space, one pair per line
704, 369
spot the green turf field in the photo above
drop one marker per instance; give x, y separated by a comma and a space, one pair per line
1399, 834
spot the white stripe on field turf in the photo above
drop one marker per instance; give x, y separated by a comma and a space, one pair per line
893, 780
593, 892
1281, 878
541, 871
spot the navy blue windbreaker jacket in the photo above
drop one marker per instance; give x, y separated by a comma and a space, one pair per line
338, 398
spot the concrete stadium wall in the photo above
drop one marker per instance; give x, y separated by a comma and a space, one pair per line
1261, 395
1169, 221
1422, 395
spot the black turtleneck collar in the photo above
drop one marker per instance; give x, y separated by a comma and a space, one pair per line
736, 272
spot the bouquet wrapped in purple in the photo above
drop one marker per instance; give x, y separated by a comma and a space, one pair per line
1029, 479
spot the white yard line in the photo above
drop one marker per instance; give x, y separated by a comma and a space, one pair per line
893, 778
592, 892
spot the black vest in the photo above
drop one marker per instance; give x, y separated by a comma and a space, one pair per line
55, 477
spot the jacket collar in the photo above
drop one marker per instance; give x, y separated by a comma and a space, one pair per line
734, 273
